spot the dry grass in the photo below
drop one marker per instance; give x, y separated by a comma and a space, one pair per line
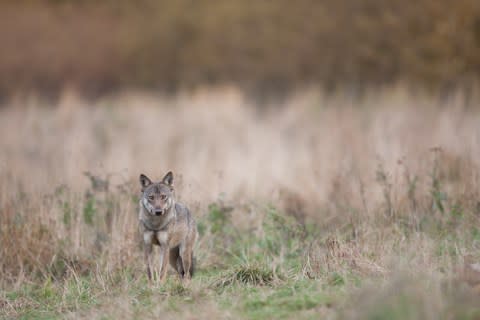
326, 196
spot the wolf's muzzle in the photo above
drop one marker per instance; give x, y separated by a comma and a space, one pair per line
158, 212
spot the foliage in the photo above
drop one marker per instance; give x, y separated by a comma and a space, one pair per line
178, 44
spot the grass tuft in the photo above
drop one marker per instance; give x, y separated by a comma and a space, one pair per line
254, 275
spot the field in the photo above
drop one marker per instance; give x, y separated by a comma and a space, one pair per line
314, 207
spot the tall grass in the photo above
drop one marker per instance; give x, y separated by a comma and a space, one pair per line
323, 196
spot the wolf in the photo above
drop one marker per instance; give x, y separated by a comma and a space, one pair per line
167, 224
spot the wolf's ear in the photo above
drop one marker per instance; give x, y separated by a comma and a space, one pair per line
144, 181
168, 179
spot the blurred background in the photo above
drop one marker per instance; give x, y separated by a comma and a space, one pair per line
329, 151
263, 47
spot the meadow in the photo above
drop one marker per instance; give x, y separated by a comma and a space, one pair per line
316, 206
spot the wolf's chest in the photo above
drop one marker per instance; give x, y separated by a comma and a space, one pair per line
170, 238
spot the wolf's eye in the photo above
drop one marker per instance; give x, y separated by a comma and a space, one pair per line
163, 197
150, 197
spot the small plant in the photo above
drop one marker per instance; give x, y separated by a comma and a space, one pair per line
336, 280
438, 196
89, 211
178, 289
67, 213
98, 183
384, 181
218, 217
246, 274
412, 181
282, 229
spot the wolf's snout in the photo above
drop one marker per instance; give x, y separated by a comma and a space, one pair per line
158, 212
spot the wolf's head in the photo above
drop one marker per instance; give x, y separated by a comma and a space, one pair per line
157, 197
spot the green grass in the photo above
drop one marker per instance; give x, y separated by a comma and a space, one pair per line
294, 299
259, 275
252, 300
247, 282
50, 300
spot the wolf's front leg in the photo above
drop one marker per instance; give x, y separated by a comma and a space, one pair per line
148, 250
163, 262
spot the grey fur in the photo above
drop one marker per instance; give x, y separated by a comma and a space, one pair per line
168, 224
